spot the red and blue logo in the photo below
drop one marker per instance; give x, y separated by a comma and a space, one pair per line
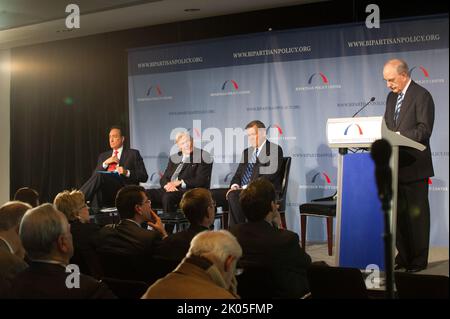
322, 175
321, 75
358, 129
423, 71
274, 128
231, 83
155, 89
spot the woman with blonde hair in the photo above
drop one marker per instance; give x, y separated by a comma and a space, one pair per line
73, 205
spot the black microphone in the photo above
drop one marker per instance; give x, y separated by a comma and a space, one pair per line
371, 100
381, 153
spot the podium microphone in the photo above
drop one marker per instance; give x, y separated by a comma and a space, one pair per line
371, 100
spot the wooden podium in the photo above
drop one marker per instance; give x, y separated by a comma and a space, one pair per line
359, 216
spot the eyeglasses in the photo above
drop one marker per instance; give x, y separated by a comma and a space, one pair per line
148, 201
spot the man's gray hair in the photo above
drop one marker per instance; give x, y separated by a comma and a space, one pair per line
402, 66
219, 244
40, 229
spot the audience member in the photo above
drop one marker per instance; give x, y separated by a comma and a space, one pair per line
46, 237
11, 249
207, 272
266, 246
199, 208
27, 195
84, 234
128, 237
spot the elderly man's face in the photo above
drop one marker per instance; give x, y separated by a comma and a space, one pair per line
184, 144
394, 81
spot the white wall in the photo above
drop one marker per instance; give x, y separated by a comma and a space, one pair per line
5, 77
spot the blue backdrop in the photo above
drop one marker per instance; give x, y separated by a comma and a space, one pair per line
293, 81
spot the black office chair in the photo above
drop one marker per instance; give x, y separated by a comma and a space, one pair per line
336, 283
126, 289
421, 286
322, 207
285, 169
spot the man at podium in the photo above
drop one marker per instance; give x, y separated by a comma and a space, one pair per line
410, 112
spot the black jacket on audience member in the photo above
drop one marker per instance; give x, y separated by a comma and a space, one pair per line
265, 246
48, 281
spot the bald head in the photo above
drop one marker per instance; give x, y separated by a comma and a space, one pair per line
396, 75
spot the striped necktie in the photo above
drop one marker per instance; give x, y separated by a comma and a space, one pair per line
398, 106
249, 169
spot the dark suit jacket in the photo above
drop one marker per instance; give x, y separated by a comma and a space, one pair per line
84, 237
277, 249
127, 238
10, 266
415, 122
196, 173
48, 281
265, 158
131, 160
176, 246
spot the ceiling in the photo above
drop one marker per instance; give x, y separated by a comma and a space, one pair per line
25, 22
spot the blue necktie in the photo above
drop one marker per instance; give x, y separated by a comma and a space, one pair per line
398, 106
249, 169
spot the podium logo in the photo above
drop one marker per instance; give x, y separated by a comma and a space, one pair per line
355, 128
321, 175
154, 93
228, 88
421, 75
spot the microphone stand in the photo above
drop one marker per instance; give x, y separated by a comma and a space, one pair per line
388, 261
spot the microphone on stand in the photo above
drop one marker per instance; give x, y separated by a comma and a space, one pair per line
371, 100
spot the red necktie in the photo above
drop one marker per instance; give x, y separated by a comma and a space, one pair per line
112, 166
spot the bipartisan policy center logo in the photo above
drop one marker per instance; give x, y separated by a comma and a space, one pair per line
274, 132
353, 129
229, 88
154, 92
319, 180
422, 75
318, 81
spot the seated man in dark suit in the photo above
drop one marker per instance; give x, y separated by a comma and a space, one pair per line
46, 237
11, 249
128, 237
189, 168
266, 246
125, 249
261, 159
114, 169
199, 208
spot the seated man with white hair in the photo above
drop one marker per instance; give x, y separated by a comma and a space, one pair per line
207, 272
189, 168
46, 237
